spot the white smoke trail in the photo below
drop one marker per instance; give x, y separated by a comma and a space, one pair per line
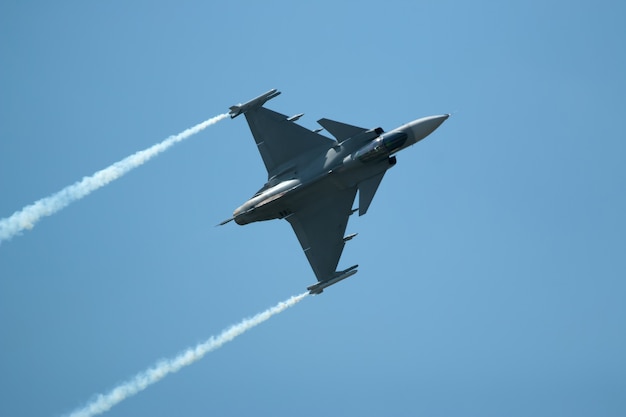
141, 381
29, 215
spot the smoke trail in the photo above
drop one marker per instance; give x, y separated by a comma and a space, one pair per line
29, 215
141, 381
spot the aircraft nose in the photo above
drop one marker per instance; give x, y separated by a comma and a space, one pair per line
426, 125
238, 218
241, 215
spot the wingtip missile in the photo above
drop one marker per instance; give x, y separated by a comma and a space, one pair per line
238, 109
340, 276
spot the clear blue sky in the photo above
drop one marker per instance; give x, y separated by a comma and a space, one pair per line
493, 259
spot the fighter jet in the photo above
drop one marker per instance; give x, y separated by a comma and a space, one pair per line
313, 180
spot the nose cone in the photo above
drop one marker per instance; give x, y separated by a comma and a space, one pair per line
239, 219
423, 127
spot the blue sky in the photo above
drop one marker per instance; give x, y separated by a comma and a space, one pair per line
492, 261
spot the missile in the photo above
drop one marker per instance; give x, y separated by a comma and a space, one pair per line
295, 117
238, 109
319, 287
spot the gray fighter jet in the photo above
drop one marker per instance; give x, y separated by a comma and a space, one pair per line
313, 180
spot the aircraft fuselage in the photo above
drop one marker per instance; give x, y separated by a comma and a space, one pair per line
345, 165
